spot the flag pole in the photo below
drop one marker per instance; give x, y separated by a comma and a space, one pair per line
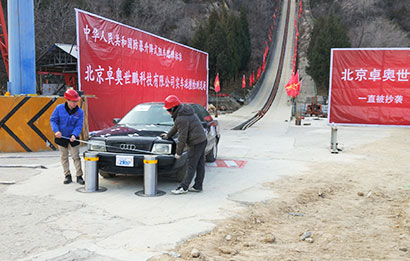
243, 86
216, 110
217, 88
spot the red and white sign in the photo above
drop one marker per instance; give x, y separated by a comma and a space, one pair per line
124, 66
370, 87
225, 163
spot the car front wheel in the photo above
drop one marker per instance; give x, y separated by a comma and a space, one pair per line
212, 154
181, 173
107, 175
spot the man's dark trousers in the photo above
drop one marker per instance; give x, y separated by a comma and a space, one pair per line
195, 162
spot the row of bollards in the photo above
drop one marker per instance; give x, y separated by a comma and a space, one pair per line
150, 176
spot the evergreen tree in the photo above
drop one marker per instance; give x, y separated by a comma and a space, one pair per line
328, 32
217, 49
232, 36
199, 39
214, 38
225, 37
244, 40
127, 7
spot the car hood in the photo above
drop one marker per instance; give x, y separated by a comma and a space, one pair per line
150, 130
141, 137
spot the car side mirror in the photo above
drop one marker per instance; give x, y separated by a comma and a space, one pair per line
116, 120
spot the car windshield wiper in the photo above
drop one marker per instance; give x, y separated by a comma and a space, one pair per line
142, 124
132, 124
162, 124
125, 124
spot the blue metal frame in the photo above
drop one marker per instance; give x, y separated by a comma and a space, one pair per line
22, 78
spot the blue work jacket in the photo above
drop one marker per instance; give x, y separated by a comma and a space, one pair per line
68, 122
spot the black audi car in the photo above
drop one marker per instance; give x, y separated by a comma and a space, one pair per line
121, 148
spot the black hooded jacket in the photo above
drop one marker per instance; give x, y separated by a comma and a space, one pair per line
188, 126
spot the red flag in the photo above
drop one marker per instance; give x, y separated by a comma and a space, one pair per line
216, 85
250, 80
264, 58
243, 81
293, 86
253, 78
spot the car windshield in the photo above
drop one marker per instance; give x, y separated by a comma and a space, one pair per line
144, 114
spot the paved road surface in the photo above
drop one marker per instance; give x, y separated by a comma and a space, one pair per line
42, 219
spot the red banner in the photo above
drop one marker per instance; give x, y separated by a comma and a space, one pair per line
124, 66
370, 87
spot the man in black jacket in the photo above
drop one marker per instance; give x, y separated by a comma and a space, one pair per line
191, 133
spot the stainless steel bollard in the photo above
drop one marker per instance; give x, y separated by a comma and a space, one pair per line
333, 140
150, 178
91, 173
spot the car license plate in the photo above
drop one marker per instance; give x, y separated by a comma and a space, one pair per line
124, 161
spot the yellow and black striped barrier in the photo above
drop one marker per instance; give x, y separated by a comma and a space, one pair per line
25, 122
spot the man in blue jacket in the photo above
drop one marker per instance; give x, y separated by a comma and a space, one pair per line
67, 123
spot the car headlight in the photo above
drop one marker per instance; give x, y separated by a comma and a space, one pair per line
161, 148
97, 145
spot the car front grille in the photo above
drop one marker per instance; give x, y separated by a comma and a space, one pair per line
127, 147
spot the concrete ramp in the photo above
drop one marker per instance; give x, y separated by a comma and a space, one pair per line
280, 108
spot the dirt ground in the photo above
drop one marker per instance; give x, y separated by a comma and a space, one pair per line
335, 211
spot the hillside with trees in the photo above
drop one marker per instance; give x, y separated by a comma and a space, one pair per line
356, 24
234, 32
177, 20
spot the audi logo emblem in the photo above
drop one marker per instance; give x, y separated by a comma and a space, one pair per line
128, 146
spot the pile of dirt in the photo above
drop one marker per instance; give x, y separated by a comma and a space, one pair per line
334, 211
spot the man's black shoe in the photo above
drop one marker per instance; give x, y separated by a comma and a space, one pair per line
67, 179
80, 180
193, 189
